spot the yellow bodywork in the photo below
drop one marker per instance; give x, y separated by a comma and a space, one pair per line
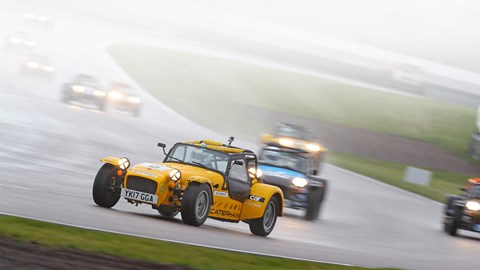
223, 206
317, 150
294, 143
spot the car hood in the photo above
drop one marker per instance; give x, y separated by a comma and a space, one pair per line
151, 170
160, 172
268, 170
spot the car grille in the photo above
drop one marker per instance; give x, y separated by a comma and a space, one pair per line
141, 184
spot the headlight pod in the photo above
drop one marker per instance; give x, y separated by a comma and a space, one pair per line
299, 182
175, 175
99, 93
32, 64
123, 163
313, 147
473, 205
255, 173
115, 95
134, 99
285, 142
78, 88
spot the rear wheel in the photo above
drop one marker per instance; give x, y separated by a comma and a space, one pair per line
264, 226
105, 194
196, 203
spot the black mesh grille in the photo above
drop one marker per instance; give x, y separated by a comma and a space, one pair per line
141, 184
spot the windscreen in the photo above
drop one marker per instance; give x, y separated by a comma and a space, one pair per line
284, 160
198, 156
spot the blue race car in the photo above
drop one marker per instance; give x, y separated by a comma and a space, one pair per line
293, 171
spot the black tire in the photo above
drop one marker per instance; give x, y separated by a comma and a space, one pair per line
104, 194
449, 201
169, 213
136, 112
452, 227
101, 105
65, 98
314, 203
264, 226
315, 199
196, 203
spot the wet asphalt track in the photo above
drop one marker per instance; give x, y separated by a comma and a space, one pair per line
49, 154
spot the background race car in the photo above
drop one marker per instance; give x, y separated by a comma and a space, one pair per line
37, 66
199, 179
122, 97
20, 42
84, 90
39, 21
293, 171
295, 137
463, 211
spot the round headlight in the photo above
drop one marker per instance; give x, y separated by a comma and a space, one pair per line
313, 147
255, 173
285, 142
299, 182
473, 206
175, 175
123, 163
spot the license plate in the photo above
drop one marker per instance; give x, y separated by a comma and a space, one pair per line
476, 227
139, 196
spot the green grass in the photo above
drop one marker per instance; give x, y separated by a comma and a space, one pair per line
392, 173
52, 235
217, 92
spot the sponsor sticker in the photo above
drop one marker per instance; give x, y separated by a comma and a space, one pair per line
220, 193
256, 198
145, 173
159, 167
224, 213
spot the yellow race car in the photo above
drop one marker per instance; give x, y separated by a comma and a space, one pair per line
198, 179
295, 137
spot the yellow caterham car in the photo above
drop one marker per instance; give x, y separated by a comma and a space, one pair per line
198, 179
295, 137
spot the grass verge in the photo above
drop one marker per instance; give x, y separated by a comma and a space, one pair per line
53, 235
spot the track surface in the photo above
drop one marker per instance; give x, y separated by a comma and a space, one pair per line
49, 155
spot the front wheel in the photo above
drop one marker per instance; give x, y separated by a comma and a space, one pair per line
196, 203
452, 227
264, 226
315, 198
105, 194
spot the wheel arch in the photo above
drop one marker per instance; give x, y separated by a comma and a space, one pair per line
111, 160
260, 195
202, 180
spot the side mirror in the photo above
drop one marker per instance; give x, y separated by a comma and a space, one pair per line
162, 145
314, 172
